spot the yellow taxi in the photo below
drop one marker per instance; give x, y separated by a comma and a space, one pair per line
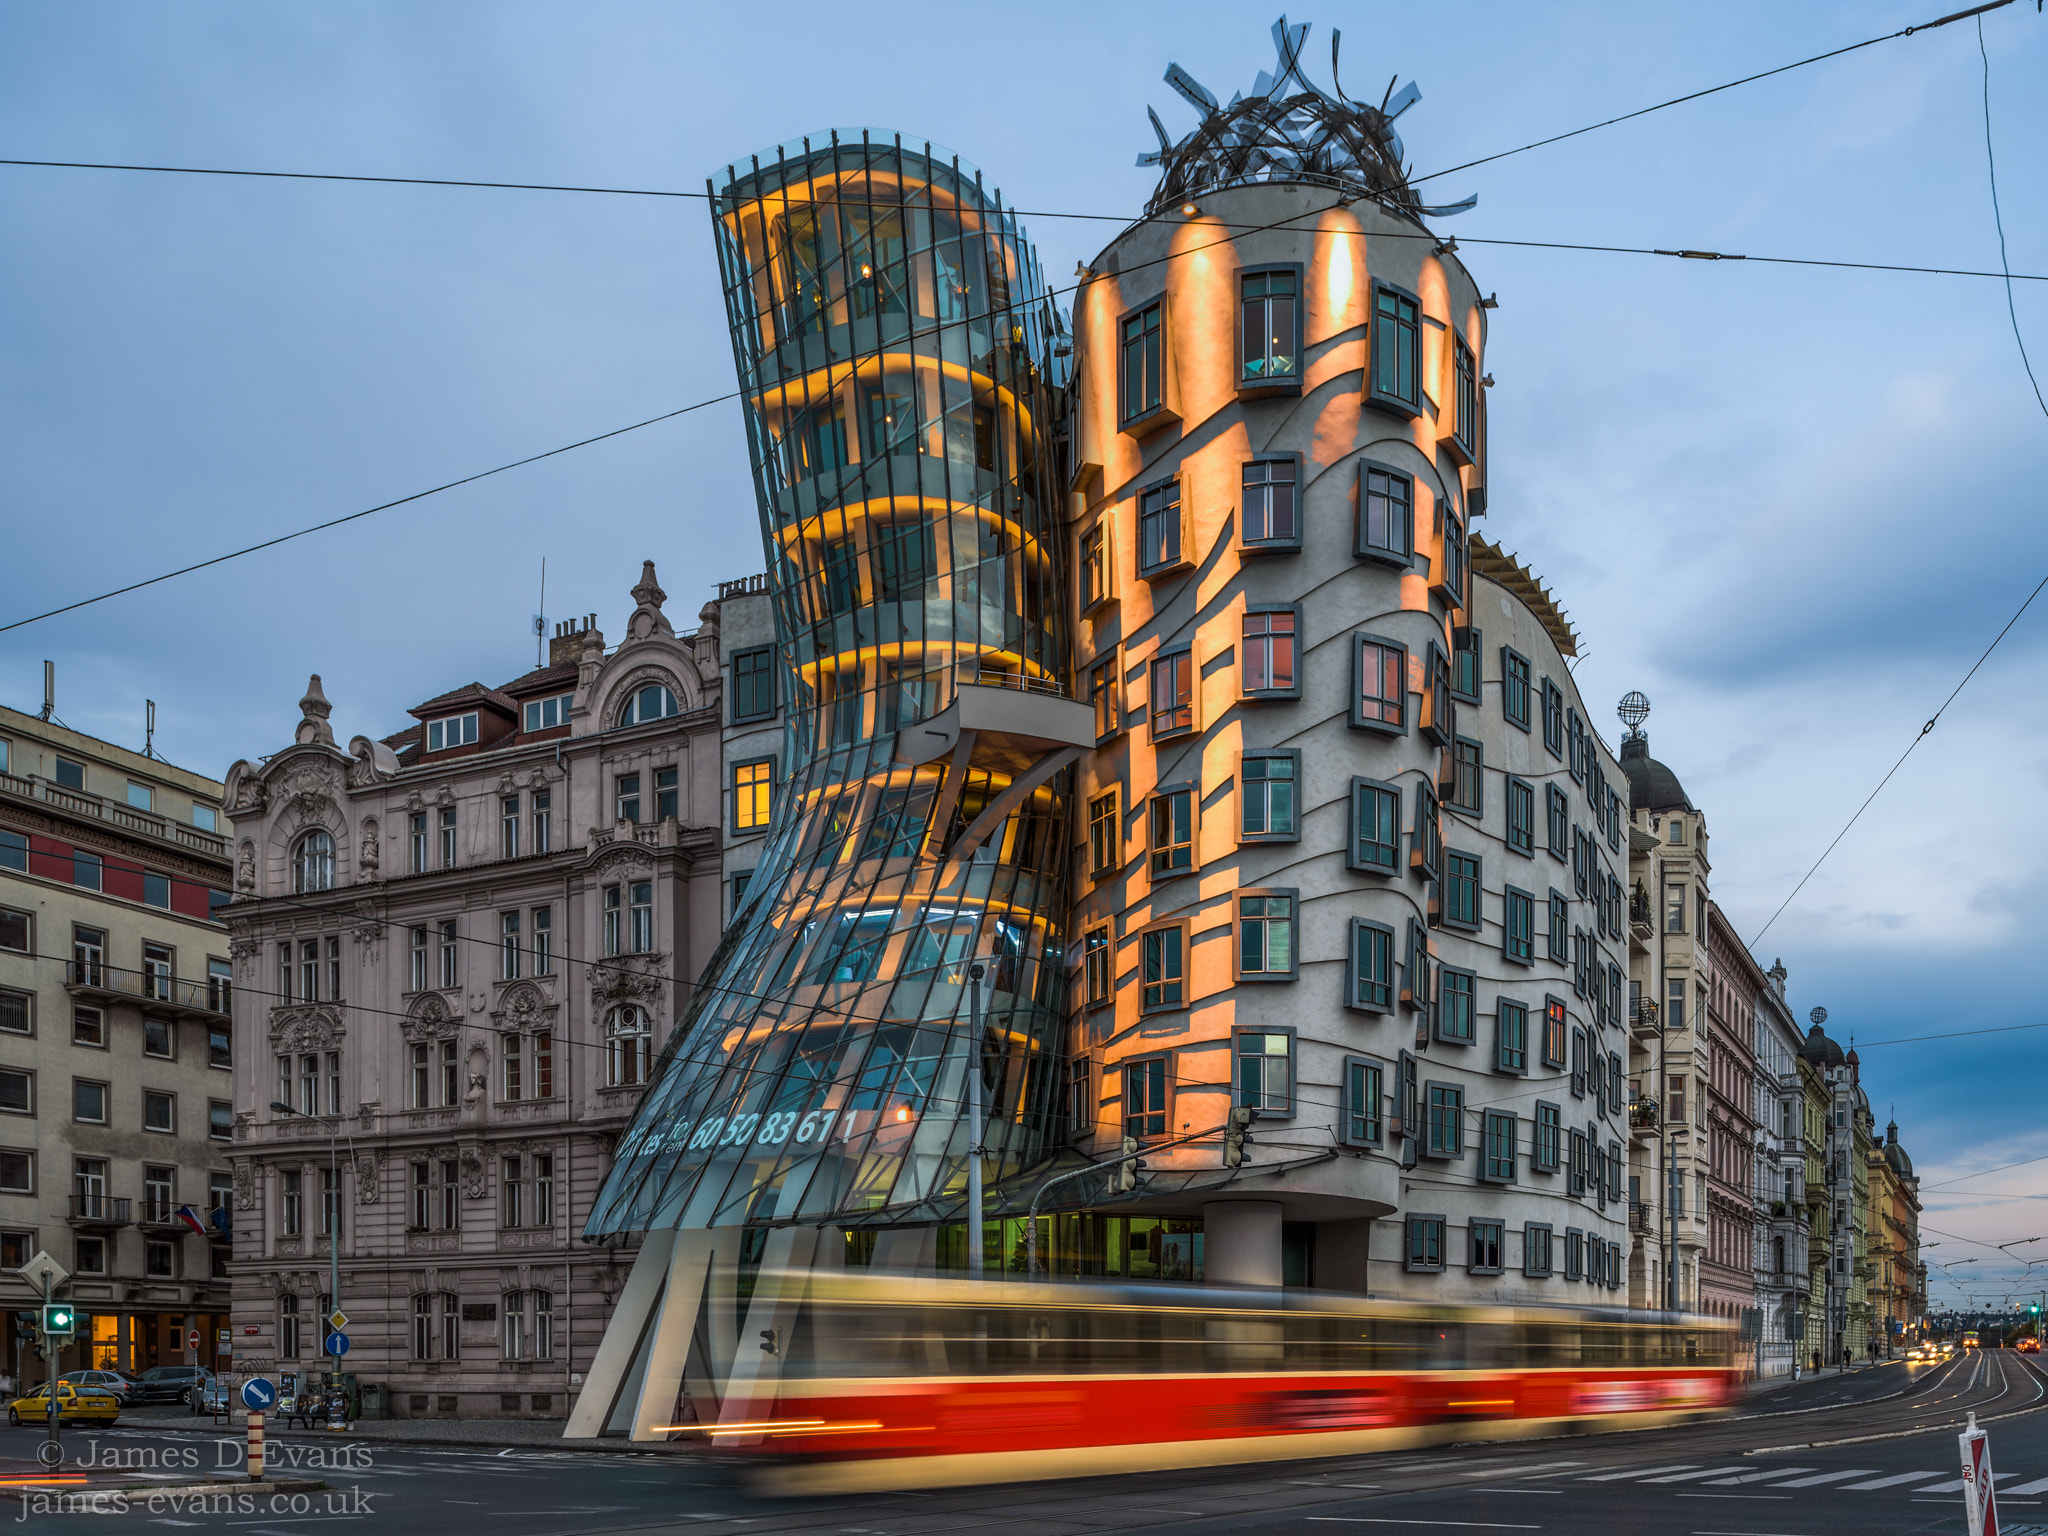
75, 1405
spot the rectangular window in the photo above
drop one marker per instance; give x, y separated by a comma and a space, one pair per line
1485, 1246
614, 919
13, 846
334, 970
448, 837
1172, 695
1425, 1247
1173, 832
1558, 823
1468, 776
157, 1037
70, 775
626, 797
1272, 350
1396, 348
1145, 1097
667, 794
1522, 817
1465, 642
1094, 561
418, 977
511, 1189
546, 714
451, 967
1098, 967
418, 825
1266, 664
1544, 1147
1265, 937
753, 684
1675, 1094
1518, 926
87, 870
1164, 953
1575, 745
1375, 826
1454, 1012
1674, 1002
1674, 908
1575, 1165
1265, 1071
1371, 980
309, 969
1105, 836
457, 732
1268, 505
1380, 672
1437, 720
508, 826
1426, 841
1267, 797
1574, 1254
640, 910
1446, 1129
1386, 515
1142, 370
750, 795
1559, 936
544, 1065
1159, 531
17, 931
1461, 891
1553, 720
17, 1092
156, 890
543, 820
17, 1012
1104, 697
509, 946
1464, 399
1511, 1026
1514, 687
543, 941
1556, 1031
1536, 1247
1363, 1085
89, 1102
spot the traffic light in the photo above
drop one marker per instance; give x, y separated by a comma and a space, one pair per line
24, 1325
1127, 1169
1237, 1135
59, 1318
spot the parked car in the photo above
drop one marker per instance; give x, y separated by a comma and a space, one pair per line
168, 1384
111, 1381
75, 1405
210, 1397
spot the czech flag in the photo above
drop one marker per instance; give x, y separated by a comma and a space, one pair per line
191, 1219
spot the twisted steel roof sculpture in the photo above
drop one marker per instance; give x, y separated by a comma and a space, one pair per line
1289, 129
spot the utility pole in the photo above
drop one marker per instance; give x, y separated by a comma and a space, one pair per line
975, 1257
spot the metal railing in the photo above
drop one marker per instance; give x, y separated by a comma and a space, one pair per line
127, 817
1642, 1114
112, 1209
211, 994
746, 586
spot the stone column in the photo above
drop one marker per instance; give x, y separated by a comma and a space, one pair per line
1241, 1242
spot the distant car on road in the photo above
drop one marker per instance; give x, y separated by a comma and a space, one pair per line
169, 1384
110, 1381
2030, 1345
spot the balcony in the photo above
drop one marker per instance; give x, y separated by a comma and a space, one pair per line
96, 981
101, 1212
1643, 1119
1640, 1217
140, 823
1645, 1021
1641, 929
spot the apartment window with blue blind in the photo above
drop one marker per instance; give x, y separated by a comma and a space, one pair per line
1268, 506
1271, 330
1454, 1010
1386, 515
1143, 364
1145, 1088
1163, 959
1371, 982
1514, 687
1522, 817
1511, 1023
1497, 1140
1363, 1085
1425, 1244
1461, 890
1446, 1125
753, 683
1518, 926
1396, 348
1375, 826
1267, 797
1159, 528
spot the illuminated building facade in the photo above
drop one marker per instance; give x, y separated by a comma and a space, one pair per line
897, 361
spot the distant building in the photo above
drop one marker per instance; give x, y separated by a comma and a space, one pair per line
1782, 1215
1735, 987
1898, 1278
115, 1055
459, 949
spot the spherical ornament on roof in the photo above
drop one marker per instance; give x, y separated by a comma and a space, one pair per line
1634, 709
1818, 1017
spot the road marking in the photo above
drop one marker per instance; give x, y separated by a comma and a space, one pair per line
1828, 1477
1893, 1482
1758, 1477
1463, 1525
1687, 1477
1615, 1477
1956, 1485
2039, 1485
1784, 1496
1515, 1490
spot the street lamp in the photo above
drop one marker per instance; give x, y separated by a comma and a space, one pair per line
279, 1107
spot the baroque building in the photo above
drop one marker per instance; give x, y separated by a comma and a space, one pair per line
1898, 1277
1735, 985
1782, 1216
457, 949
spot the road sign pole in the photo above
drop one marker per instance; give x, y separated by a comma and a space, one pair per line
53, 1455
255, 1445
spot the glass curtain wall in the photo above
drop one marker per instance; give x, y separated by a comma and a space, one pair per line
896, 354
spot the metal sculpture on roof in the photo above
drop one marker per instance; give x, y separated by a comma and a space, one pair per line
1289, 129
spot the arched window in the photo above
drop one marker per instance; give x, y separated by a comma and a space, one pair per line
313, 863
629, 1042
653, 702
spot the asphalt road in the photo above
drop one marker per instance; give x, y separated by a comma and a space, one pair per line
1872, 1452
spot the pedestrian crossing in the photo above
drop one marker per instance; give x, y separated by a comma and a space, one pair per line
1750, 1476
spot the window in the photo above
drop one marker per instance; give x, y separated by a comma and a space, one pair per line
1446, 1128
448, 837
1145, 1088
451, 1327
451, 973
1105, 837
1461, 891
17, 931
1426, 841
1386, 515
626, 797
312, 863
640, 910
1559, 939
1173, 832
1454, 1014
1514, 687
17, 1092
17, 1175
751, 795
508, 827
1518, 926
1574, 1254
1265, 936
1536, 1251
1103, 697
1142, 371
457, 732
511, 1193
1544, 1146
1094, 562
1271, 350
1553, 719
508, 946
156, 890
1578, 1063
629, 1045
1380, 673
1511, 1030
1674, 1002
1674, 907
1265, 1071
1468, 776
1266, 667
654, 701
1465, 664
1370, 983
1396, 350
1454, 580
13, 846
1172, 695
220, 986
1464, 399
1484, 1246
418, 827
288, 1337
1375, 826
334, 970
1522, 817
543, 941
1098, 966
614, 916
88, 1102
159, 1112
546, 714
1675, 1093
309, 969
1268, 505
88, 955
220, 1120
1267, 797
418, 977
1425, 1249
1436, 721
1363, 1122
158, 1038
17, 1012
1159, 529
91, 1255
543, 820
1164, 956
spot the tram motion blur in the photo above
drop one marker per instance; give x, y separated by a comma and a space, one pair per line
876, 1381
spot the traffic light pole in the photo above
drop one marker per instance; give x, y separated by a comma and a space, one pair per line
54, 1456
1128, 1156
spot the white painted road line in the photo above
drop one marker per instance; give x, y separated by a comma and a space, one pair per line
1463, 1525
1615, 1477
2039, 1485
1955, 1485
1758, 1477
1686, 1477
1828, 1477
1893, 1481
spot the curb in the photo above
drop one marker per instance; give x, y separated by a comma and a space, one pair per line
217, 1490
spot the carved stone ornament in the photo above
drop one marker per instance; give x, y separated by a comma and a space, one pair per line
620, 860
245, 1186
366, 859
245, 789
316, 1027
368, 1176
369, 929
245, 868
243, 952
245, 1120
472, 1173
313, 712
309, 790
616, 983
431, 1019
523, 1006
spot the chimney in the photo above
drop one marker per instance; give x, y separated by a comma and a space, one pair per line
569, 638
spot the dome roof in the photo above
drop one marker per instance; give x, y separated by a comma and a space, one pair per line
1895, 1154
1651, 786
1820, 1050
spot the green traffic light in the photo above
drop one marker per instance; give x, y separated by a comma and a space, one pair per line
59, 1318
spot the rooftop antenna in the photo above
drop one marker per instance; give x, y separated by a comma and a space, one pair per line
149, 728
540, 620
49, 690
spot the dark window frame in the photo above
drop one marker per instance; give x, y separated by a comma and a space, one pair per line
1352, 991
1382, 792
767, 655
1292, 690
1407, 334
1360, 639
1107, 666
1496, 1233
1466, 641
1271, 544
1456, 981
1505, 1049
1153, 412
1439, 1114
1514, 683
1180, 560
1398, 553
1268, 754
1293, 1066
1516, 900
1476, 883
1374, 1133
1429, 1229
1538, 1258
1546, 1138
1185, 653
1521, 829
1468, 777
1176, 1004
1153, 847
1292, 896
1250, 386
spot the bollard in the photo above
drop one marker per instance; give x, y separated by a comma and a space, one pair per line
255, 1445
1980, 1496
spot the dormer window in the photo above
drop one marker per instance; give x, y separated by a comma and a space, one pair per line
654, 702
545, 714
460, 731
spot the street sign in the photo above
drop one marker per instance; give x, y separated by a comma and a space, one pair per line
258, 1393
337, 1344
192, 1340
45, 1271
337, 1320
251, 1329
225, 1335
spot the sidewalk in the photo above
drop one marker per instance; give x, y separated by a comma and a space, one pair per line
1771, 1384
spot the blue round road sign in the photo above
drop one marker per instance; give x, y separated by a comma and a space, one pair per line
337, 1344
258, 1393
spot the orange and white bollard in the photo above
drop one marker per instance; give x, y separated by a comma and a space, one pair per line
255, 1445
1980, 1495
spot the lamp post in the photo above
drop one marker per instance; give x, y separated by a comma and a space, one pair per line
975, 1257
279, 1107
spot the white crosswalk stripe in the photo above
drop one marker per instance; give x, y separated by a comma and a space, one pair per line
1826, 1477
1758, 1477
1892, 1481
1955, 1485
1686, 1477
1615, 1477
2038, 1485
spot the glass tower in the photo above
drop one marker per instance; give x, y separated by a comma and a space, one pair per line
897, 361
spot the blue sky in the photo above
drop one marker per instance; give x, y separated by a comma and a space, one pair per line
1789, 504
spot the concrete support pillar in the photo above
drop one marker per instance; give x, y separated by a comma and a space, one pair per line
1241, 1242
1342, 1252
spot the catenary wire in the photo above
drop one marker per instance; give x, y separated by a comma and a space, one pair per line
1991, 164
